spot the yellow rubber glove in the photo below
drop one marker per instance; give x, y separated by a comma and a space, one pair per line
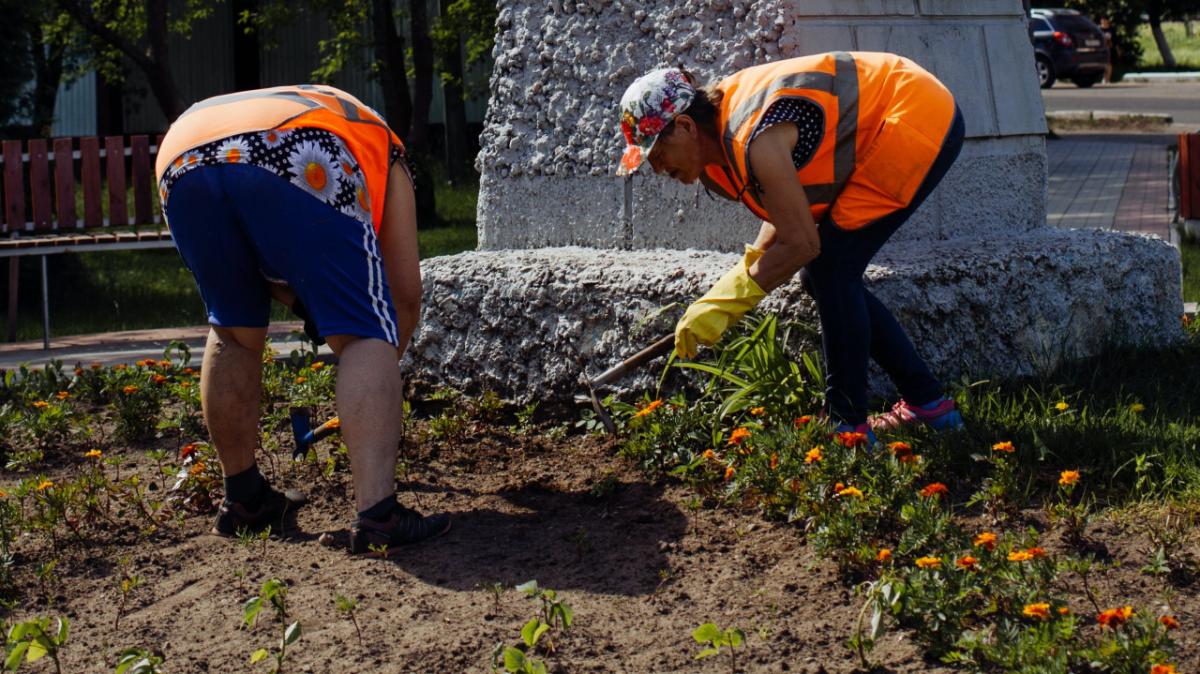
722, 306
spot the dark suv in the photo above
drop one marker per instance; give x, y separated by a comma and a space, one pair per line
1067, 45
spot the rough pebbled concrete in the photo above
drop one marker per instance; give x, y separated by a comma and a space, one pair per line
527, 323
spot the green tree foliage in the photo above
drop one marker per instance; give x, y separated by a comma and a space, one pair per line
1126, 17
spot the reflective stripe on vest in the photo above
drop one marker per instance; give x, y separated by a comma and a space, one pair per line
885, 118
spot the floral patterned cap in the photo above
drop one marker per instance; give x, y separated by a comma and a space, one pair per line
648, 106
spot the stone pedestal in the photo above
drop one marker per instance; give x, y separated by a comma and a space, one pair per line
572, 256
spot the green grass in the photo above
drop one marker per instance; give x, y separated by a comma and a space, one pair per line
130, 290
1190, 252
1185, 49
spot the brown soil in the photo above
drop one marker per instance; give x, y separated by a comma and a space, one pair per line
640, 569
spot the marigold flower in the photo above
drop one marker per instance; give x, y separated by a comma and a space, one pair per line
188, 370
1137, 408
935, 490
910, 458
149, 362
1063, 610
41, 404
1006, 447
1164, 668
729, 472
79, 372
119, 367
62, 395
986, 540
710, 455
316, 367
966, 562
44, 485
196, 469
164, 363
739, 435
852, 439
1041, 611
187, 450
185, 384
758, 411
813, 455
1019, 556
774, 461
95, 366
1068, 477
899, 448
3, 494
158, 379
130, 390
649, 408
839, 486
93, 454
802, 421
884, 556
300, 380
1061, 406
929, 562
1115, 617
1036, 552
1169, 622
850, 491
793, 485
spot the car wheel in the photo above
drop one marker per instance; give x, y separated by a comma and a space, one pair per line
1045, 71
1083, 82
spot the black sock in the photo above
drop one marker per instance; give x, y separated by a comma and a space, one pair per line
246, 487
381, 510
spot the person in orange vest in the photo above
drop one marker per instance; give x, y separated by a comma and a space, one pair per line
833, 152
300, 193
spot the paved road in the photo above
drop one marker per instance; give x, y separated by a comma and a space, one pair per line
1181, 100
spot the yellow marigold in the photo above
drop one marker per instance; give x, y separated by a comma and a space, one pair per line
1137, 408
929, 562
1041, 611
802, 421
316, 367
1068, 477
1115, 617
813, 455
1061, 406
62, 395
1169, 622
196, 469
729, 472
850, 491
774, 461
1006, 447
739, 435
758, 411
884, 556
130, 390
966, 562
44, 485
300, 380
649, 408
1019, 556
986, 540
41, 404
93, 454
852, 439
1164, 668
710, 455
934, 490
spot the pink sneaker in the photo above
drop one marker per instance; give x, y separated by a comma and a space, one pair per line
940, 415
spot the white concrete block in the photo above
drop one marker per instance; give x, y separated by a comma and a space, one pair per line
1019, 107
971, 8
853, 7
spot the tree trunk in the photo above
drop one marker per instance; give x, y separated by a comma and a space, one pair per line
389, 57
456, 111
422, 49
1155, 11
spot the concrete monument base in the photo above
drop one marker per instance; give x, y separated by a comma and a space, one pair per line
526, 323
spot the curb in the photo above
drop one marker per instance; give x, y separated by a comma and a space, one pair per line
1108, 115
1162, 77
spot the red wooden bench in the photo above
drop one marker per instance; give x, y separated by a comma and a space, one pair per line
1189, 176
40, 213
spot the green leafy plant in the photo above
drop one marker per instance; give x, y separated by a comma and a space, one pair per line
713, 638
33, 640
349, 608
138, 661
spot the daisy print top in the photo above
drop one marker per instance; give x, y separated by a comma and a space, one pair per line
315, 160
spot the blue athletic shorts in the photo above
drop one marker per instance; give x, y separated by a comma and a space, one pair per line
239, 226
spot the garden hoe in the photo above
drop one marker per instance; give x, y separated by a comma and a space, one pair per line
614, 373
305, 435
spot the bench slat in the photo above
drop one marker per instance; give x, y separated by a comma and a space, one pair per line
64, 183
14, 187
89, 158
39, 185
118, 208
143, 209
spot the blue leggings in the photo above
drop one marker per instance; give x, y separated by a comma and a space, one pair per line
854, 324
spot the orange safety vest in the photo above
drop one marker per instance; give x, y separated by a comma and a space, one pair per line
885, 121
364, 132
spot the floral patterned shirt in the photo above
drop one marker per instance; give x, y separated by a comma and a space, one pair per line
315, 160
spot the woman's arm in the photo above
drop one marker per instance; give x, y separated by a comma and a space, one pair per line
790, 239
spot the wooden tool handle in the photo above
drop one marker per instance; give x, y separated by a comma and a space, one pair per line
649, 353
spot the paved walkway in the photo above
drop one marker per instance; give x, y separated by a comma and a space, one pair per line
1109, 182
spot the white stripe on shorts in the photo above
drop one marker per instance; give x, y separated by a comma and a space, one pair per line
375, 283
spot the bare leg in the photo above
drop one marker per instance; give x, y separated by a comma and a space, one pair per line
230, 392
370, 405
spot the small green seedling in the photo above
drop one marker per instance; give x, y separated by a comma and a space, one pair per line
138, 661
33, 640
274, 591
349, 607
555, 614
715, 638
291, 634
516, 662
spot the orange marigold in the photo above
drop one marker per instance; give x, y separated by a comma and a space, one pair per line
729, 473
196, 469
316, 367
884, 556
929, 562
1019, 556
909, 458
158, 379
300, 380
648, 409
801, 421
813, 455
850, 491
1006, 447
188, 370
937, 489
758, 411
966, 562
41, 404
1115, 617
1041, 611
900, 448
1036, 552
710, 455
164, 363
1169, 622
62, 395
1163, 669
1063, 610
986, 540
852, 439
774, 461
44, 485
96, 366
739, 435
1068, 477
79, 372
93, 454
130, 390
